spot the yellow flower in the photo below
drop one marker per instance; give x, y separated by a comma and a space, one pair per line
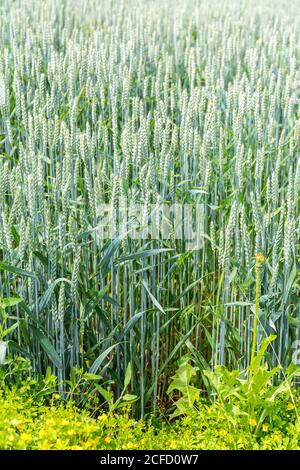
24, 438
259, 258
15, 422
173, 445
265, 427
276, 438
60, 445
240, 442
107, 439
50, 421
43, 433
102, 417
88, 428
252, 422
56, 396
222, 432
130, 445
89, 445
290, 406
71, 432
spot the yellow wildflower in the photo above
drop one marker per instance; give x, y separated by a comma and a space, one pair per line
15, 422
107, 439
60, 445
265, 427
259, 258
290, 406
130, 445
50, 421
43, 433
252, 422
88, 428
240, 443
102, 417
89, 445
25, 438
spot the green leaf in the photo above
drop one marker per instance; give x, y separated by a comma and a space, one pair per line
47, 346
108, 255
127, 375
15, 270
187, 289
289, 283
15, 235
43, 259
6, 155
181, 382
154, 301
178, 346
254, 366
142, 254
27, 310
46, 297
48, 293
9, 330
129, 397
89, 376
10, 301
107, 395
97, 363
130, 324
182, 377
15, 347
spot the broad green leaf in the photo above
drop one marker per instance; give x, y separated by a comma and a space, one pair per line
9, 330
129, 397
89, 376
107, 395
261, 352
10, 301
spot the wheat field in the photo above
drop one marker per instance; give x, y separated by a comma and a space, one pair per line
156, 103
